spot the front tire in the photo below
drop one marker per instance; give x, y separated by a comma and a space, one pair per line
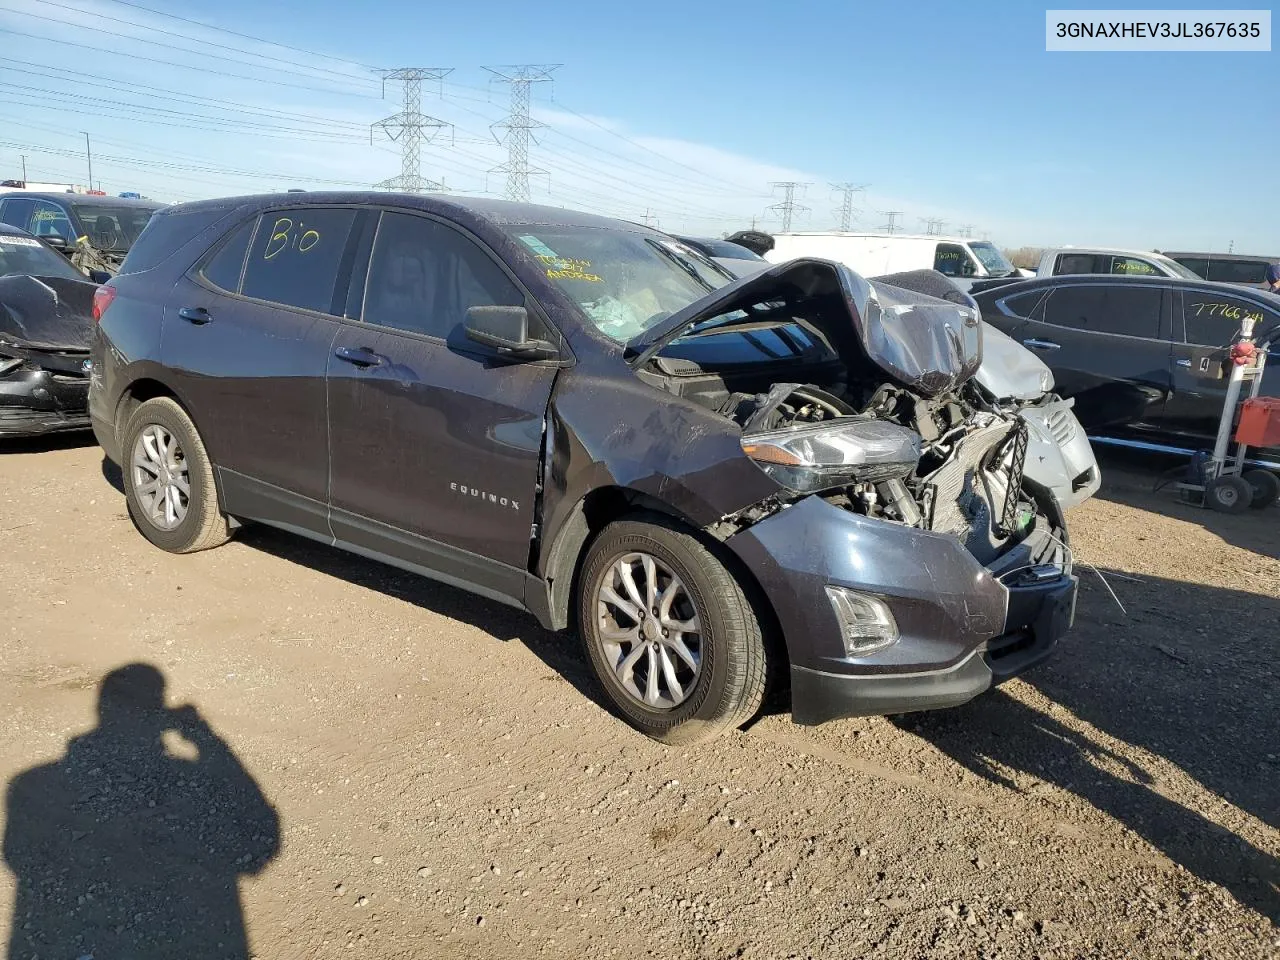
672, 638
168, 480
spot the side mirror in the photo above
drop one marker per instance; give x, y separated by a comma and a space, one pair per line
99, 276
57, 241
506, 329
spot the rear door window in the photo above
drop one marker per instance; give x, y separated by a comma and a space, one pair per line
424, 275
1098, 308
1211, 319
1237, 271
296, 257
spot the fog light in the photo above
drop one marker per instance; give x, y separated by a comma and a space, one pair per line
865, 621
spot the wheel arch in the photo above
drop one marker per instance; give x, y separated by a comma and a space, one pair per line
137, 393
603, 505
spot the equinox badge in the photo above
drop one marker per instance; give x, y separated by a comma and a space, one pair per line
484, 495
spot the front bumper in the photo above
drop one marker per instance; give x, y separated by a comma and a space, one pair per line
36, 401
818, 697
961, 629
1059, 457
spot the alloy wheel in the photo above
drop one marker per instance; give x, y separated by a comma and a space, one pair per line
160, 479
648, 630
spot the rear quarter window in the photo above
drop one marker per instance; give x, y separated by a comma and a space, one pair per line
165, 234
224, 265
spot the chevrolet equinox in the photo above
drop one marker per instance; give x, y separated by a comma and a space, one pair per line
715, 481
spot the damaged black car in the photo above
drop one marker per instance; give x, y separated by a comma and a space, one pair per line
723, 485
45, 328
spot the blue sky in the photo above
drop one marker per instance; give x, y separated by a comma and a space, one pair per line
686, 111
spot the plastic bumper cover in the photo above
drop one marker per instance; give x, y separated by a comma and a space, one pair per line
961, 630
35, 401
1059, 457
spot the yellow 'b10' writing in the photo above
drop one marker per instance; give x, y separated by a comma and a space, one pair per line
285, 237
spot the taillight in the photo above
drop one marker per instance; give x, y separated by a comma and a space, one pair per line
102, 298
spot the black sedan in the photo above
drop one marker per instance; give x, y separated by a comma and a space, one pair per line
45, 327
1143, 356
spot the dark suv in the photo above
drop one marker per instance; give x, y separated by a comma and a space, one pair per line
109, 224
591, 421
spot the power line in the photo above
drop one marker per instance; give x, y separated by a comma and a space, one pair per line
184, 36
232, 106
847, 190
186, 114
519, 125
788, 207
199, 68
243, 36
408, 125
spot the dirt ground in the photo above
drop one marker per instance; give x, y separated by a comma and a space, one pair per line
350, 761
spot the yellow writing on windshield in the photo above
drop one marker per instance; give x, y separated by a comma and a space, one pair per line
568, 268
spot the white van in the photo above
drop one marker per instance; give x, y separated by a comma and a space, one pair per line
875, 254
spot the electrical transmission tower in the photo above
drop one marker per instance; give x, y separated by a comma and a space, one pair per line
788, 207
650, 218
892, 225
847, 190
966, 230
410, 126
519, 124
932, 225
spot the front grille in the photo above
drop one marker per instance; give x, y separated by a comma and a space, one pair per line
1061, 424
1009, 644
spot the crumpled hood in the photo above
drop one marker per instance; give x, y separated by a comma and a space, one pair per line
1009, 370
46, 313
926, 344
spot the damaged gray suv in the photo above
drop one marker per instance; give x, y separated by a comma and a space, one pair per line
722, 484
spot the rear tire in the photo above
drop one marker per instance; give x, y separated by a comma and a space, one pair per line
697, 668
1229, 494
1265, 486
168, 480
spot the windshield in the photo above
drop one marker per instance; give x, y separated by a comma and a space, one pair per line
112, 228
25, 256
992, 259
624, 282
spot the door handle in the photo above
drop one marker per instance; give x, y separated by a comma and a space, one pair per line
360, 356
1041, 344
1184, 363
196, 315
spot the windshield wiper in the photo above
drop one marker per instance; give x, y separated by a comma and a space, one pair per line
683, 264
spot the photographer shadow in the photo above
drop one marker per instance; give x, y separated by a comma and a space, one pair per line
132, 844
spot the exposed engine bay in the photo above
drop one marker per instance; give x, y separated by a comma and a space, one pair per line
821, 416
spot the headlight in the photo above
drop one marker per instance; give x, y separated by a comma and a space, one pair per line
1046, 379
866, 622
834, 454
